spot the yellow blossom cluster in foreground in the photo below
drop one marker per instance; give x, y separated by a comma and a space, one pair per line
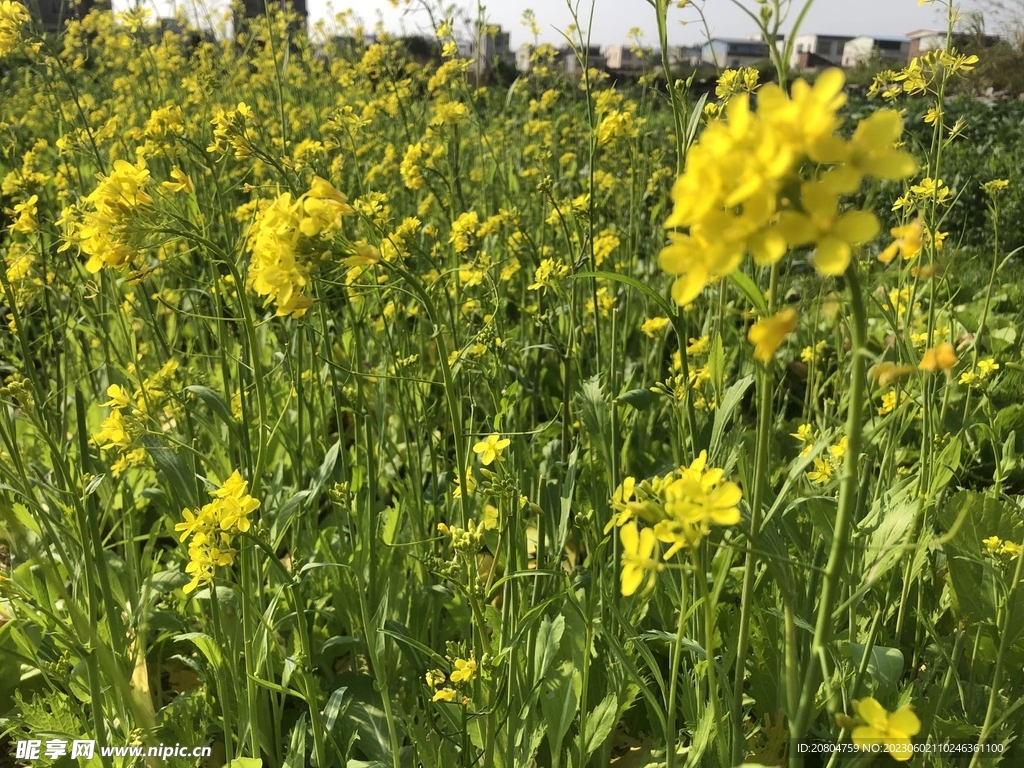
735, 195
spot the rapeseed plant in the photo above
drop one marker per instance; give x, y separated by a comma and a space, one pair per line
431, 253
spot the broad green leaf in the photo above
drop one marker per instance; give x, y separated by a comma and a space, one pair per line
885, 665
549, 638
640, 399
559, 701
750, 291
206, 645
335, 704
600, 723
296, 757
946, 465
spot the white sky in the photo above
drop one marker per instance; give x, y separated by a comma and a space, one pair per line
612, 19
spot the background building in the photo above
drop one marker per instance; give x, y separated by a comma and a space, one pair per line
810, 51
891, 51
730, 53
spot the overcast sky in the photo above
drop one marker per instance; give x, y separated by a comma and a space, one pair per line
612, 19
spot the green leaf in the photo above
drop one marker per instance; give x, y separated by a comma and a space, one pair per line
217, 403
335, 704
946, 466
296, 757
632, 282
749, 289
640, 399
549, 638
885, 665
724, 413
179, 479
970, 518
559, 701
1002, 338
206, 645
886, 544
600, 723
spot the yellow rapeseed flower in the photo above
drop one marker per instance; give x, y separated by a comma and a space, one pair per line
653, 326
821, 473
464, 670
907, 242
490, 448
893, 730
833, 234
940, 358
767, 334
639, 562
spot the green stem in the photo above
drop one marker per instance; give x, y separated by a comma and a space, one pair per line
764, 426
836, 566
673, 688
997, 674
701, 580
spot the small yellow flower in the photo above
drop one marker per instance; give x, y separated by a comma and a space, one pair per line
767, 334
882, 727
992, 543
804, 433
464, 671
986, 367
181, 183
1010, 549
490, 448
821, 473
470, 486
907, 242
995, 186
118, 397
653, 326
444, 694
889, 402
838, 451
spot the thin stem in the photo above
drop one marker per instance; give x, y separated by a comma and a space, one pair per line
673, 688
997, 674
836, 565
764, 424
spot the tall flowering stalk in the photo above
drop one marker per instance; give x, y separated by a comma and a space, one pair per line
746, 190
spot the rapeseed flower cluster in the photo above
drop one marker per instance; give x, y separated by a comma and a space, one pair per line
286, 238
110, 233
678, 509
994, 546
980, 373
463, 671
210, 529
131, 415
742, 190
13, 17
234, 131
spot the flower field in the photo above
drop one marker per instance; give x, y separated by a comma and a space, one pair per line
359, 412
